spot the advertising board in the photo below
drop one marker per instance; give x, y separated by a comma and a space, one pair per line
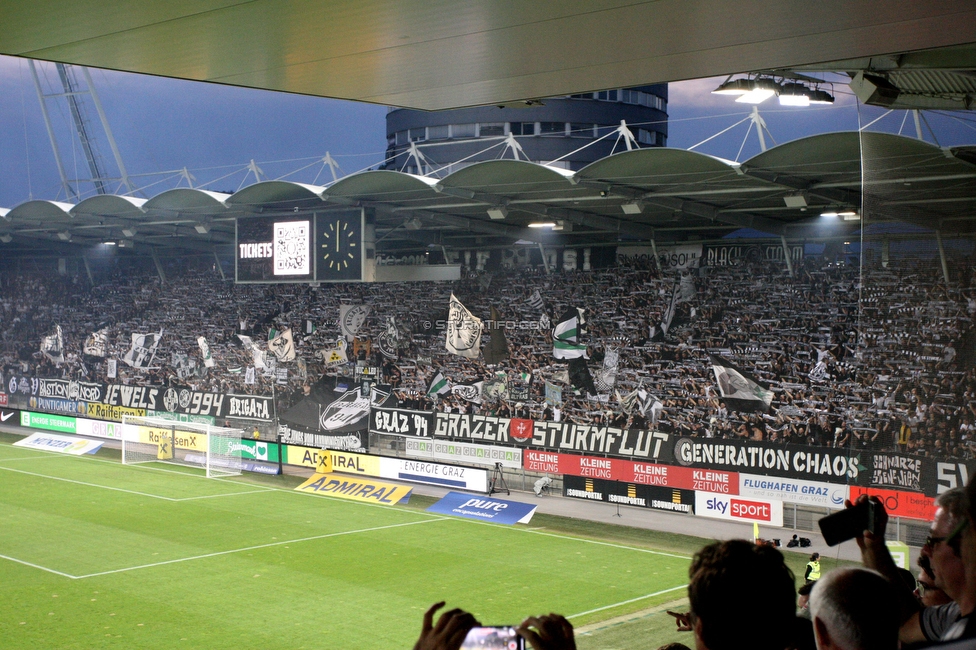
464, 453
898, 503
813, 493
630, 494
733, 508
499, 511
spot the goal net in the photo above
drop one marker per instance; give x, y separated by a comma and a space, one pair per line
158, 440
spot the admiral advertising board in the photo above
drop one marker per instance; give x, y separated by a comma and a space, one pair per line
629, 494
766, 512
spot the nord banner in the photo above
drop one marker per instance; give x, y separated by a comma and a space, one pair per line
555, 436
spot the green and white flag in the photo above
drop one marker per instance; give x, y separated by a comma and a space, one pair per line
438, 385
566, 335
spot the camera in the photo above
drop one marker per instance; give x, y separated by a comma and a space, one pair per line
851, 522
502, 637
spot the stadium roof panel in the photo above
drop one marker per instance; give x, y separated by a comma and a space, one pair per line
660, 193
454, 53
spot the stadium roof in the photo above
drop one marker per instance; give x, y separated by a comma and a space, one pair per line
442, 54
635, 196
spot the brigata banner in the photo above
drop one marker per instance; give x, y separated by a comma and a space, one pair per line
60, 444
910, 505
555, 436
629, 494
357, 489
401, 422
464, 453
499, 511
791, 490
722, 506
615, 469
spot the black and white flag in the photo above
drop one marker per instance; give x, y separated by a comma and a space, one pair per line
282, 344
463, 331
143, 350
96, 345
607, 377
53, 346
469, 392
739, 390
566, 336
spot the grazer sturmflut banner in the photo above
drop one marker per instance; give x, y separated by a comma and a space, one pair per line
555, 436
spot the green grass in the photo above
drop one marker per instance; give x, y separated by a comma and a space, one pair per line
97, 554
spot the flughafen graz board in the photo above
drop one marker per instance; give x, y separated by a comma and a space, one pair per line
324, 247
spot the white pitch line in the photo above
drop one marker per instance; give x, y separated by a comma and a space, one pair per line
627, 602
259, 546
94, 485
38, 457
38, 566
216, 496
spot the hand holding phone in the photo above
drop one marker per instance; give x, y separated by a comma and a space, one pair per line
498, 637
868, 514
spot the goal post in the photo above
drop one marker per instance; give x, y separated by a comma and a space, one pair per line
192, 444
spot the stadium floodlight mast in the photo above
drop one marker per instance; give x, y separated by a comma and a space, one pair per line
215, 449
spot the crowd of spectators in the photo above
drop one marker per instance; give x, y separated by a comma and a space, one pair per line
877, 358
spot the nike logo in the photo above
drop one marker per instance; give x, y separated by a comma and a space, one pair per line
5, 416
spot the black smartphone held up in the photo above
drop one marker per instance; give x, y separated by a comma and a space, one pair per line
849, 523
502, 637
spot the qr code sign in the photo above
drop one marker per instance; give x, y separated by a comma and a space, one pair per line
291, 242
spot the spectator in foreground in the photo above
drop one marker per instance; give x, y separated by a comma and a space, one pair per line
550, 632
854, 609
742, 595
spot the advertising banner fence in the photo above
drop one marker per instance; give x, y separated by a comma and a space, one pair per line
464, 453
722, 506
630, 494
614, 469
813, 493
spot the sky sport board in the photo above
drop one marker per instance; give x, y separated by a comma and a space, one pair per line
319, 247
100, 554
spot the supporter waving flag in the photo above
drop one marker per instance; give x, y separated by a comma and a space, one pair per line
96, 345
739, 390
566, 336
282, 344
143, 350
438, 385
53, 346
463, 331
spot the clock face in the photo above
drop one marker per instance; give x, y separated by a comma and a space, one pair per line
339, 247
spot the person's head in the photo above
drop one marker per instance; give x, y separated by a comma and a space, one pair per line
728, 579
815, 557
942, 548
854, 609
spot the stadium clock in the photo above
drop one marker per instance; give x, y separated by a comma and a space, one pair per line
339, 246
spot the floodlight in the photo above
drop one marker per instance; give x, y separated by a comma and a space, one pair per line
6, 239
64, 236
129, 232
201, 228
632, 208
498, 212
734, 87
762, 89
542, 224
794, 94
795, 201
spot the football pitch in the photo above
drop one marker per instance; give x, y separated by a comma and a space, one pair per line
94, 553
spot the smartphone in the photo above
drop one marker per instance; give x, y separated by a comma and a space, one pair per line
849, 523
503, 637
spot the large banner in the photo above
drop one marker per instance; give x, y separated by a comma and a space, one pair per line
791, 490
910, 505
630, 494
401, 422
554, 436
353, 440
